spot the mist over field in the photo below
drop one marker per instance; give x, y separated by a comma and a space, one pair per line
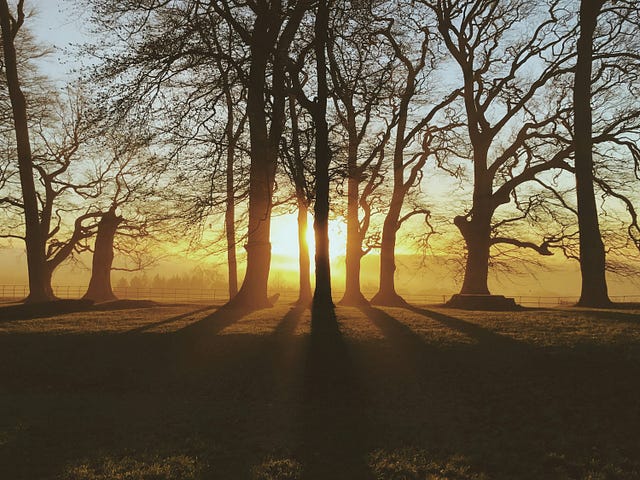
417, 275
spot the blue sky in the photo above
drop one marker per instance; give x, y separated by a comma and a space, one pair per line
57, 24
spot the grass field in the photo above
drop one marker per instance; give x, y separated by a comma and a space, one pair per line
144, 391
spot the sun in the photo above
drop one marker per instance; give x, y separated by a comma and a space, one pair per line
284, 237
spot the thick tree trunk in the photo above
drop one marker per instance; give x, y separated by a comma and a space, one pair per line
253, 292
592, 253
476, 229
322, 295
387, 294
39, 288
352, 292
100, 284
476, 234
304, 296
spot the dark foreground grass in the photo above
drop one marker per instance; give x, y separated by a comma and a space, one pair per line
200, 392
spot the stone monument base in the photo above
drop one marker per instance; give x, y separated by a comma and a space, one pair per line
482, 302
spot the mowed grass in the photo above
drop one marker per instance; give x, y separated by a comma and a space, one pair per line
201, 392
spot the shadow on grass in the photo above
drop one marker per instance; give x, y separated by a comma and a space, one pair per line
212, 324
616, 313
167, 321
282, 401
398, 334
334, 430
485, 337
28, 311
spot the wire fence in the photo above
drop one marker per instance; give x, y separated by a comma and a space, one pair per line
14, 293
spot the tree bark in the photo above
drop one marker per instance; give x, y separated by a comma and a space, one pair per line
476, 230
34, 237
322, 294
100, 289
594, 291
476, 234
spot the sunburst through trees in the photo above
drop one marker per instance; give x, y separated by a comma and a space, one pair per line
202, 120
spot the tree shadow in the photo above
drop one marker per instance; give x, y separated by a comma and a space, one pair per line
28, 311
399, 335
485, 337
334, 438
614, 314
212, 324
166, 321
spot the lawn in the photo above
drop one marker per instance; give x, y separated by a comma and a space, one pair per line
148, 391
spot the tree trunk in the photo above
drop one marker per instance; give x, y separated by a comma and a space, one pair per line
352, 292
229, 213
592, 253
322, 295
387, 294
476, 228
34, 237
100, 284
304, 297
253, 292
476, 234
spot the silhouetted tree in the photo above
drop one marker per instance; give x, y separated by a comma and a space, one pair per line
502, 95
297, 150
39, 287
592, 253
361, 71
322, 294
408, 166
99, 289
268, 32
184, 80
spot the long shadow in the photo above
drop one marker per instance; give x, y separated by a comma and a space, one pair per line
399, 335
335, 431
168, 320
212, 324
28, 311
613, 315
485, 337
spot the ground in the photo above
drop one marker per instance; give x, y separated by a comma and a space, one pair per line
201, 392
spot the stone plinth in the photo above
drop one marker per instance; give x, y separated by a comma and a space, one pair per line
482, 302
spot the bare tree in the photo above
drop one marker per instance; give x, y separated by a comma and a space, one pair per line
494, 44
361, 71
39, 288
322, 295
612, 57
414, 71
296, 154
186, 82
131, 203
